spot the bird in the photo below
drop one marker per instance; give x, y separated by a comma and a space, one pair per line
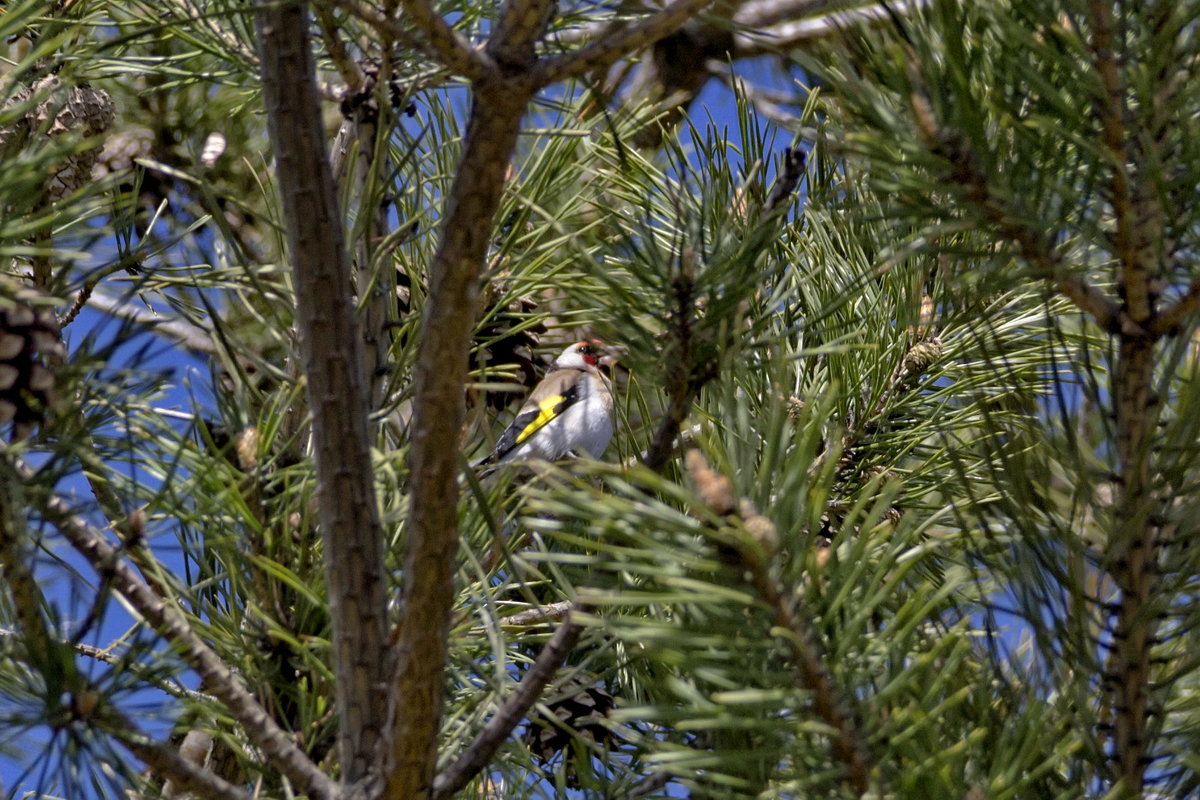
569, 413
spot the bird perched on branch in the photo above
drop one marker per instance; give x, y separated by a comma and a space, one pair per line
570, 413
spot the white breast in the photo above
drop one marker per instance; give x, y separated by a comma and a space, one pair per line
587, 426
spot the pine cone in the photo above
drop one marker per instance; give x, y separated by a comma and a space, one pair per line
577, 714
30, 350
920, 357
82, 110
511, 345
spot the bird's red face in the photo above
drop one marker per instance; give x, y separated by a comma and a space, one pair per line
595, 353
591, 351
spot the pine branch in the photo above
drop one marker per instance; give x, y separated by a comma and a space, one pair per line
105, 655
754, 551
337, 394
366, 115
1173, 319
1034, 246
1110, 108
509, 715
617, 40
682, 386
275, 743
1134, 551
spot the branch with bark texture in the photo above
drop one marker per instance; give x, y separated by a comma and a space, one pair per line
617, 40
337, 392
774, 26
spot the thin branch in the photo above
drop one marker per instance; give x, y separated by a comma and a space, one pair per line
762, 13
1035, 247
549, 613
337, 393
183, 332
662, 447
195, 748
1171, 321
617, 40
1110, 108
80, 301
507, 717
104, 654
331, 35
275, 743
386, 26
167, 762
446, 44
682, 387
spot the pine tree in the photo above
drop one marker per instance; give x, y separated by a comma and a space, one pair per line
900, 500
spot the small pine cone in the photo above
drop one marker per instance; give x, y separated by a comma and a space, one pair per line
920, 357
715, 490
760, 530
30, 350
84, 111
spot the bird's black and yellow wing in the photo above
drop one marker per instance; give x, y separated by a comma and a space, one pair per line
558, 392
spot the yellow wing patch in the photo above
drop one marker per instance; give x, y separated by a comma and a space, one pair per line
548, 409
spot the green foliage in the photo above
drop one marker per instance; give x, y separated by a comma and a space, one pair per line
881, 369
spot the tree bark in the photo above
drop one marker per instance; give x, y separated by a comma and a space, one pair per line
337, 393
438, 416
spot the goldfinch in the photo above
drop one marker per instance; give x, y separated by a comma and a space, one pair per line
569, 413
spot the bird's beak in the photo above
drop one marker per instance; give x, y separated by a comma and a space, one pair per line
611, 356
